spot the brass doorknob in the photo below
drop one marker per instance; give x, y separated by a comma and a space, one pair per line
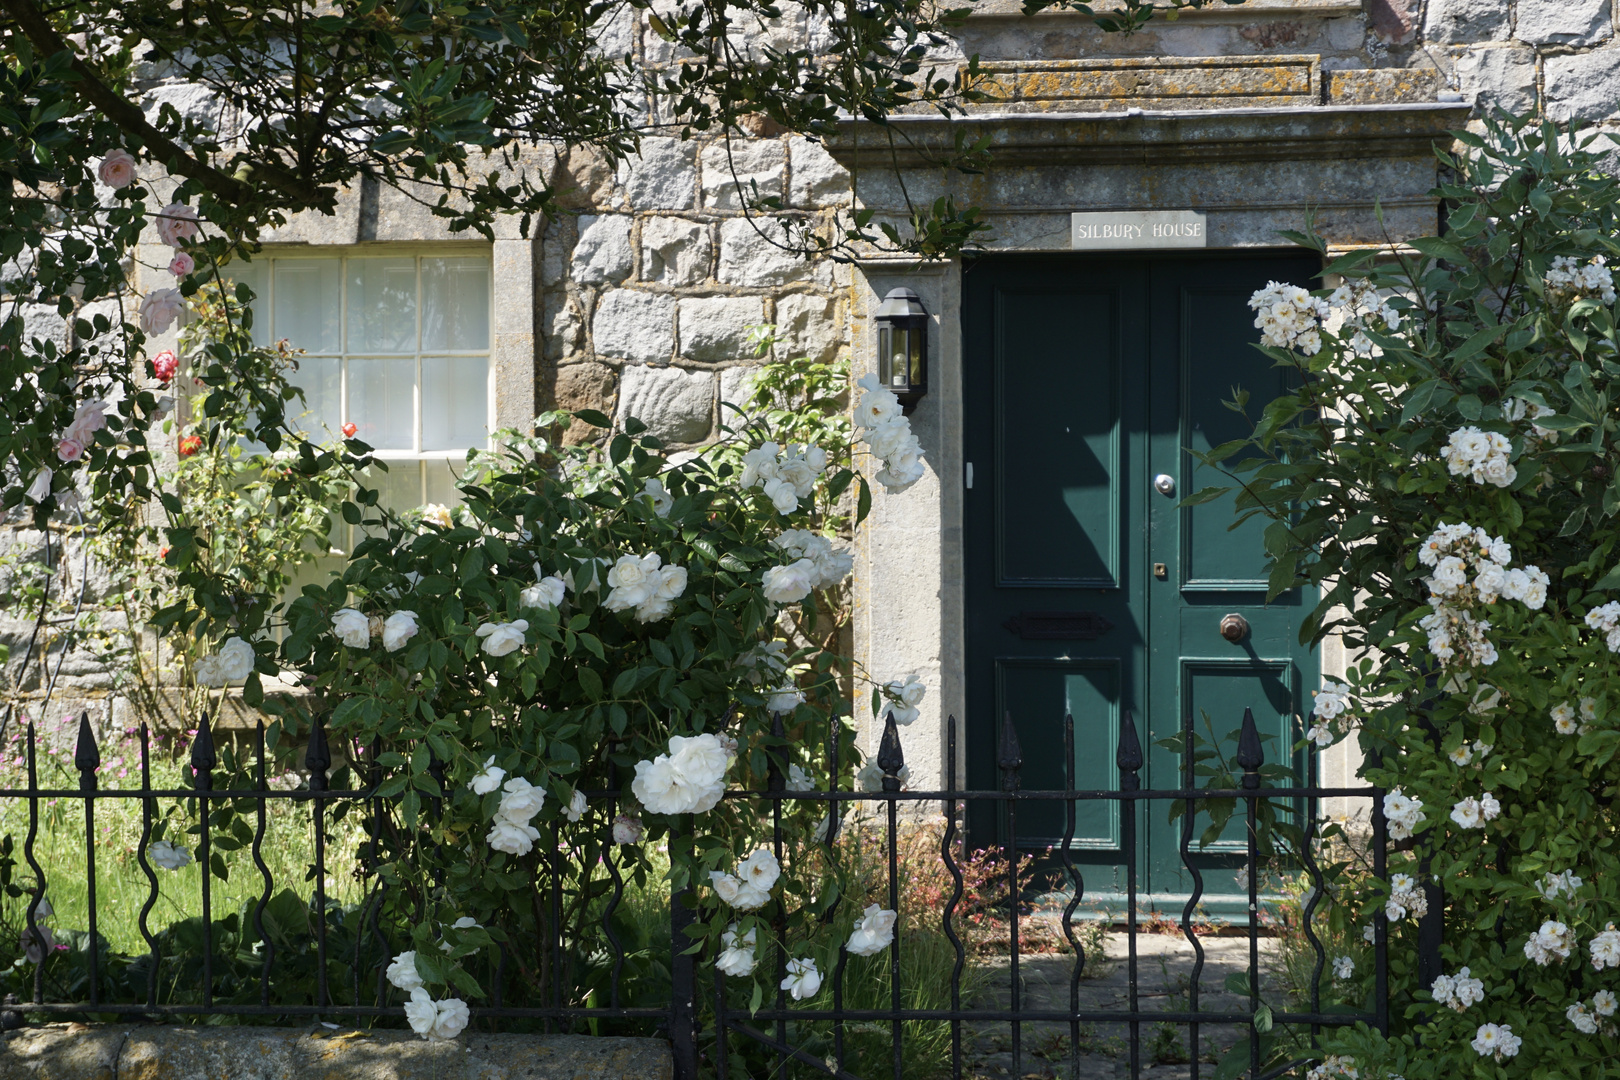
1234, 628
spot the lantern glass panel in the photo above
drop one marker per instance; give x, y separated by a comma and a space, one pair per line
899, 359
914, 366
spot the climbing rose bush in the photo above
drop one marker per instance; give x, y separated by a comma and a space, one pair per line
1448, 476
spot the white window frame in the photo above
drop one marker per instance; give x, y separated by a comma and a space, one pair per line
264, 304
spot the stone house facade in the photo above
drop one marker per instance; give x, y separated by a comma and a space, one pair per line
1254, 116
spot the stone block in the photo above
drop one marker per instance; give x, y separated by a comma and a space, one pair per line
555, 244
676, 405
584, 179
1384, 86
1582, 86
562, 326
662, 177
807, 325
342, 226
40, 321
736, 387
615, 36
194, 103
634, 326
603, 254
740, 172
1504, 77
815, 179
749, 258
190, 1052
580, 386
715, 329
1394, 22
1463, 22
675, 251
1563, 22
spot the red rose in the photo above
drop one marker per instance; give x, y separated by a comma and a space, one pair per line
190, 445
164, 365
349, 429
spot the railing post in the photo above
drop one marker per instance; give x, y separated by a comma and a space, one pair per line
1249, 758
86, 759
318, 759
1011, 759
1128, 759
683, 976
203, 760
892, 760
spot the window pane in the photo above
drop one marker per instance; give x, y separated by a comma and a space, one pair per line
400, 488
455, 305
382, 305
455, 402
382, 402
441, 480
320, 377
253, 274
306, 303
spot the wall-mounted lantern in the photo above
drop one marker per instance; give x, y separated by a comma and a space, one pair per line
902, 358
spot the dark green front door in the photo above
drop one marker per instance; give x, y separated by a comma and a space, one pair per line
1089, 591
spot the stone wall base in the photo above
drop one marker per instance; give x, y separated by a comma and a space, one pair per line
185, 1052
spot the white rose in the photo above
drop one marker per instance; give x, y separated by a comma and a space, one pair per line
658, 788
117, 169
889, 438
663, 502
760, 869
671, 583
759, 465
402, 972
797, 471
736, 956
160, 308
398, 628
208, 671
784, 700
576, 807
750, 897
168, 856
653, 609
520, 801
632, 580
799, 780
1491, 581
451, 1018
487, 780
176, 222
873, 931
876, 408
546, 592
783, 495
235, 659
503, 638
352, 628
789, 584
512, 838
803, 980
833, 566
40, 489
421, 1012
701, 760
1499, 471
627, 829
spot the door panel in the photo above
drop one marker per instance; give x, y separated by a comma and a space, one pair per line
1086, 377
1057, 461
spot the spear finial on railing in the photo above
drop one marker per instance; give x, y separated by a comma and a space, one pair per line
1010, 756
891, 759
203, 755
317, 755
86, 754
1129, 755
1250, 756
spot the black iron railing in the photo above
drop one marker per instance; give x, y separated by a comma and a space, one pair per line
705, 1027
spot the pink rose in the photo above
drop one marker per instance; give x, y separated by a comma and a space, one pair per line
182, 264
68, 450
160, 308
165, 364
176, 222
117, 169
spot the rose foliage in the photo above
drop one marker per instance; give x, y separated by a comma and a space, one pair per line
1448, 475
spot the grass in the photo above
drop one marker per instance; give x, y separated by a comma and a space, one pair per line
122, 888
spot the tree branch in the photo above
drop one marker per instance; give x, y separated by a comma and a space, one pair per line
122, 112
